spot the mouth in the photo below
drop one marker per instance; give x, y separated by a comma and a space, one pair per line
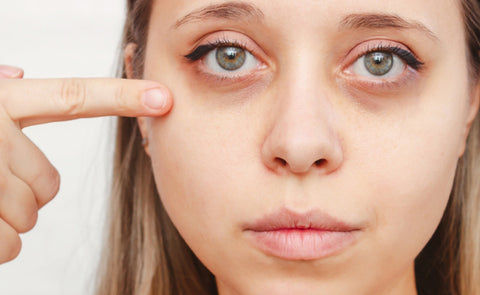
290, 235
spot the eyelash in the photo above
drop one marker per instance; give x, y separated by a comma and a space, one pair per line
202, 50
408, 57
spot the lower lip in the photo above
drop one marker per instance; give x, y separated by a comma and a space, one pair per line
302, 244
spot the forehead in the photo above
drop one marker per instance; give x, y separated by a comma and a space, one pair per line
442, 17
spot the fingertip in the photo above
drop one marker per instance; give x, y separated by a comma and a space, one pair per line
20, 74
157, 99
168, 102
9, 72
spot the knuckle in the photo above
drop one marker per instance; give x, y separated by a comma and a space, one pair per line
3, 182
23, 210
29, 219
11, 243
3, 177
54, 181
72, 96
5, 144
19, 208
14, 247
121, 97
3, 94
48, 182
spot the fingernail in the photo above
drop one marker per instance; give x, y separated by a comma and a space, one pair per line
155, 98
9, 71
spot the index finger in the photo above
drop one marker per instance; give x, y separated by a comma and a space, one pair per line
36, 101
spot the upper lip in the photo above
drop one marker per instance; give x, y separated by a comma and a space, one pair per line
284, 219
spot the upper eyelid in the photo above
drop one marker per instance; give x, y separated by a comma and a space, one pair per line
226, 39
225, 43
376, 45
393, 49
209, 49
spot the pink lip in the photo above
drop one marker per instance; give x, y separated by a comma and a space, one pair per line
294, 236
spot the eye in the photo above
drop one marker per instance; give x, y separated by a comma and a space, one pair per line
230, 59
384, 63
225, 59
379, 64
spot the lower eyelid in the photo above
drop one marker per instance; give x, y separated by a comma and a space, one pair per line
378, 86
237, 77
241, 81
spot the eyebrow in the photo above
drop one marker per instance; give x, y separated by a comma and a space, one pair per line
234, 10
382, 21
239, 10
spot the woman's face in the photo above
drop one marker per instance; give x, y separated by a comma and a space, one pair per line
313, 144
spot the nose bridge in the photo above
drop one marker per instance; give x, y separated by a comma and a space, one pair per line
304, 93
304, 112
303, 134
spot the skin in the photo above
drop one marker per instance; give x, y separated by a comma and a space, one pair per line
388, 154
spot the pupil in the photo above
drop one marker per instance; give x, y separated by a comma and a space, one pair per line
231, 53
378, 63
230, 58
378, 59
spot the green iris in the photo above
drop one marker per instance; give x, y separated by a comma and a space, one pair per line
230, 58
378, 63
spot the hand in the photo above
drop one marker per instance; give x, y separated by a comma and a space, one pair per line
27, 179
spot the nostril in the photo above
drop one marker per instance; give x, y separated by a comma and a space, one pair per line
320, 162
281, 161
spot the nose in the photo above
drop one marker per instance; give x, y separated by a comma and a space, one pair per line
302, 135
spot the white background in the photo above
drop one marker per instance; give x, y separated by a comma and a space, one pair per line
50, 39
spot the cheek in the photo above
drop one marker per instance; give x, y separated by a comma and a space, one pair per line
200, 156
406, 170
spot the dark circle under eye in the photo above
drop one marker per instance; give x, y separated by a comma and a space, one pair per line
230, 58
378, 63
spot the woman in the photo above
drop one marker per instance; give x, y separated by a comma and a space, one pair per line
333, 153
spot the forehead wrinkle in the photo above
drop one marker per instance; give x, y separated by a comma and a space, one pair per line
381, 21
233, 10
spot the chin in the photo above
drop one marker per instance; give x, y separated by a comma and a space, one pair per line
295, 285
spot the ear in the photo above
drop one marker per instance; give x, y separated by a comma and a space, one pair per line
471, 114
128, 58
143, 126
129, 66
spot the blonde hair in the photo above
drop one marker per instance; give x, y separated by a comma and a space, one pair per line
145, 255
